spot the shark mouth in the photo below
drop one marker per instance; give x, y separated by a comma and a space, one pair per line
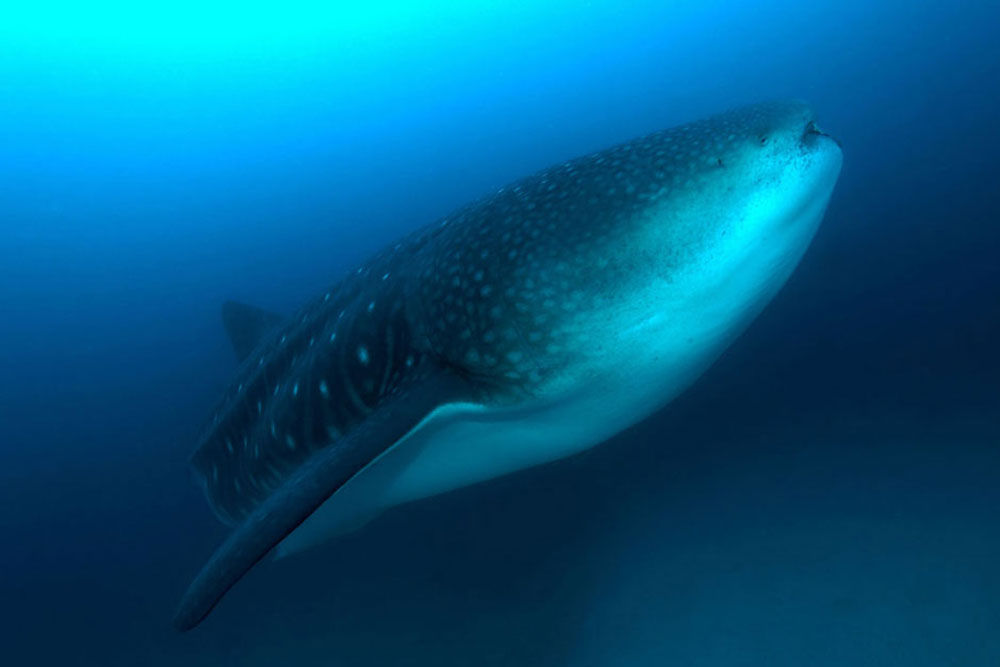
812, 130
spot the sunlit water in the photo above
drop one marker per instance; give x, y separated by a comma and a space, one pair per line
825, 495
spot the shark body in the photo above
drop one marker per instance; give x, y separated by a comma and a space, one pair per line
525, 327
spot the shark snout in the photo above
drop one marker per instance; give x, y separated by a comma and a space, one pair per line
812, 132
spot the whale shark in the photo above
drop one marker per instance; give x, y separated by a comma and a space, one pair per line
524, 327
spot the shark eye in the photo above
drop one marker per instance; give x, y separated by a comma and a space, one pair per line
763, 139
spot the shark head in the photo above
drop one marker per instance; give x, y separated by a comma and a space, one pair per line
730, 216
644, 258
743, 196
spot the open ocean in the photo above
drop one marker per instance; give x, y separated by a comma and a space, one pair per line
827, 494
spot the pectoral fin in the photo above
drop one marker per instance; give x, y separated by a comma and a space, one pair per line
309, 487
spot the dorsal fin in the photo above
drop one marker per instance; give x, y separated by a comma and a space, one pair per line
246, 326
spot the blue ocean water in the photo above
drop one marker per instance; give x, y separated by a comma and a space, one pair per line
825, 495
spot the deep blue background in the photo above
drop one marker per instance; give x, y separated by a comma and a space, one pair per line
827, 494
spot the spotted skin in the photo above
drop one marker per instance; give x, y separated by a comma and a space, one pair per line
506, 292
308, 384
